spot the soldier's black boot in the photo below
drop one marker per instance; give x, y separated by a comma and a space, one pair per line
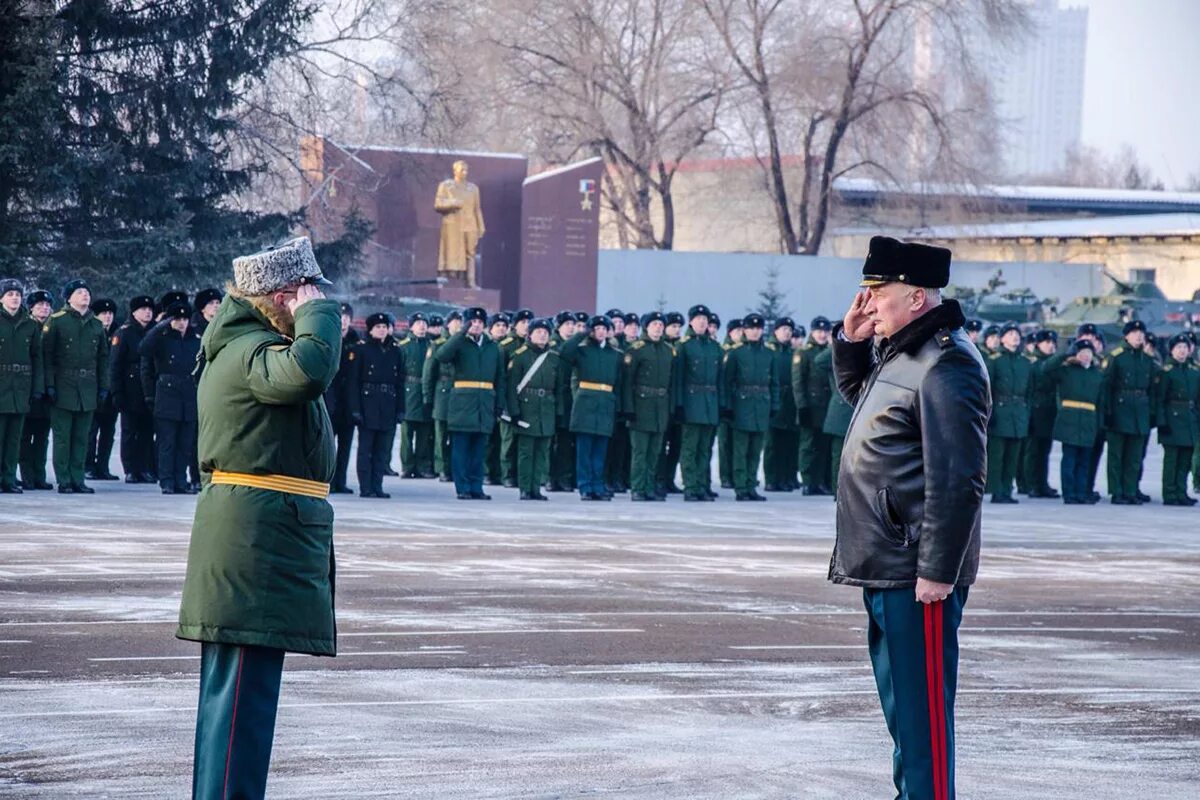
11, 488
1145, 498
692, 497
754, 495
65, 489
640, 497
527, 495
83, 489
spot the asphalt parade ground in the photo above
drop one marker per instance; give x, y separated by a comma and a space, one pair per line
568, 649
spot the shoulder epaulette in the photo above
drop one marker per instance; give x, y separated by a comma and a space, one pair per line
945, 339
57, 314
771, 346
735, 345
638, 345
1116, 351
796, 358
506, 340
521, 349
995, 355
685, 339
1031, 358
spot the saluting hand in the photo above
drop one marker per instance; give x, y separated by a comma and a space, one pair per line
856, 325
304, 293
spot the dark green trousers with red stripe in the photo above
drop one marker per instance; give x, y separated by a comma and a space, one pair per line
914, 653
235, 724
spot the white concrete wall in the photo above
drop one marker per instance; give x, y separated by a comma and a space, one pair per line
729, 283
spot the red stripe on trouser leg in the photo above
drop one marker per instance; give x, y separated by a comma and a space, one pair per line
941, 698
237, 690
931, 686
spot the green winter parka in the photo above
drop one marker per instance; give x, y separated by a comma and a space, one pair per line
595, 407
20, 361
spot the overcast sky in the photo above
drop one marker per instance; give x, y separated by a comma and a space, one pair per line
1142, 84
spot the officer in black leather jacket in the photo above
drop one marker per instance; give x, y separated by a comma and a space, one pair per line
909, 494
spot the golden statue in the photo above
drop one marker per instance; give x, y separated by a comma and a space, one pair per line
462, 225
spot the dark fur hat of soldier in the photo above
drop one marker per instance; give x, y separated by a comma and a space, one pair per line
916, 264
754, 320
799, 332
102, 305
206, 296
1087, 329
178, 311
563, 317
600, 319
453, 316
171, 298
785, 322
991, 330
973, 326
523, 314
498, 317
1179, 338
1082, 344
475, 313
675, 318
652, 316
346, 309
11, 285
1009, 326
436, 320
698, 311
735, 324
72, 287
141, 301
821, 324
582, 316
378, 318
278, 267
613, 313
1133, 325
713, 319
1046, 335
632, 318
544, 323
416, 317
38, 296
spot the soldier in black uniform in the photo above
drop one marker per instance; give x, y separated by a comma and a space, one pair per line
206, 304
168, 352
337, 403
104, 421
125, 377
376, 403
668, 461
35, 436
168, 300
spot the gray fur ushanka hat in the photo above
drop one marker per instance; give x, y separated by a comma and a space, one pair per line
278, 267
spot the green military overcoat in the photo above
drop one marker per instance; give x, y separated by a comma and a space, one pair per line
20, 361
1127, 384
699, 364
1079, 399
647, 385
477, 392
748, 388
75, 359
1011, 376
1177, 404
538, 403
594, 410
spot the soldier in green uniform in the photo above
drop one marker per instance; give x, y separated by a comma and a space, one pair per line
416, 432
534, 390
837, 414
698, 378
597, 365
782, 451
812, 395
35, 436
75, 356
1177, 414
477, 398
646, 403
733, 335
20, 376
498, 325
508, 442
617, 318
562, 448
668, 462
749, 400
991, 340
1128, 380
1011, 377
618, 462
436, 380
1090, 333
1043, 408
1076, 379
973, 329
104, 421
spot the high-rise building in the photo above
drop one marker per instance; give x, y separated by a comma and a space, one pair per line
1039, 89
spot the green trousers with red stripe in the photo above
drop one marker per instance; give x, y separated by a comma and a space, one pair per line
914, 654
235, 723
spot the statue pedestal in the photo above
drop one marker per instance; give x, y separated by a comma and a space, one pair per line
460, 296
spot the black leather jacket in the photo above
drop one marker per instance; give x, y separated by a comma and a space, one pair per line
910, 485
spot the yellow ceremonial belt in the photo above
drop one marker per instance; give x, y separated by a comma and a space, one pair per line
275, 483
595, 387
1079, 404
472, 385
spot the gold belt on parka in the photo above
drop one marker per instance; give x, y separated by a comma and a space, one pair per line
275, 483
595, 387
472, 385
1079, 404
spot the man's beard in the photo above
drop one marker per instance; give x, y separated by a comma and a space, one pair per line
280, 317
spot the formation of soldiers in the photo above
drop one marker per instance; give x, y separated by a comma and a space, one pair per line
601, 405
1091, 396
67, 375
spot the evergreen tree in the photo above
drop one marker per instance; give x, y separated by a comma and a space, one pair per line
772, 301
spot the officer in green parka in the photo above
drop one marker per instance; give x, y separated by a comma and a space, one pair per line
436, 380
1011, 376
20, 376
1177, 415
733, 335
1076, 378
698, 375
1127, 421
595, 363
260, 573
533, 403
749, 400
646, 402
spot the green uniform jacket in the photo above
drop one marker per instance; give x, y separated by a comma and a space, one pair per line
594, 410
1127, 384
647, 385
75, 358
784, 412
1044, 401
698, 369
1079, 396
811, 390
20, 361
1011, 376
417, 406
838, 412
538, 403
471, 409
748, 388
566, 389
1177, 404
260, 564
436, 380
